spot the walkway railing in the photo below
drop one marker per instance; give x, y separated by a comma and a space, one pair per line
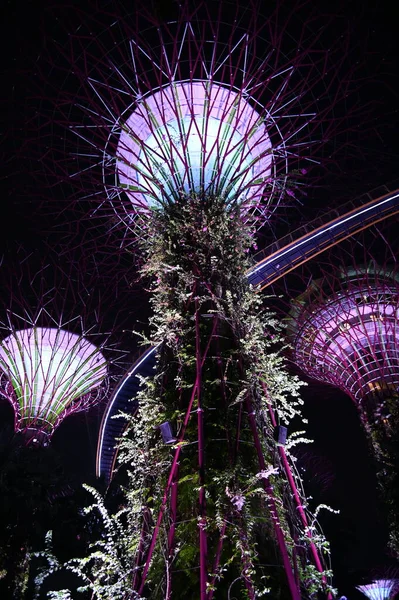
308, 241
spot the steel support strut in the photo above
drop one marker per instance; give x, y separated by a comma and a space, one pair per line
294, 591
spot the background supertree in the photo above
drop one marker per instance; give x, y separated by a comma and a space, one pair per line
380, 589
49, 373
55, 361
343, 332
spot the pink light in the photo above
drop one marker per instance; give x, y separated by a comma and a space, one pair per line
381, 589
193, 136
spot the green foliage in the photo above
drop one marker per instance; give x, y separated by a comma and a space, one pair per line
60, 595
195, 256
220, 351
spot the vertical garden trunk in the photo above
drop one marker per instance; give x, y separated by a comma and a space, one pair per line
223, 515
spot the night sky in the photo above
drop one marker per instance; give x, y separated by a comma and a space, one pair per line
339, 469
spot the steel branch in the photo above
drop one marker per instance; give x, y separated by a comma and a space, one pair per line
273, 507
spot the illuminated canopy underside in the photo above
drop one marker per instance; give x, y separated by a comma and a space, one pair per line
382, 589
193, 137
50, 372
352, 339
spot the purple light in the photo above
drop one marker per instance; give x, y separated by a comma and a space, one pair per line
350, 338
192, 137
49, 373
381, 589
181, 107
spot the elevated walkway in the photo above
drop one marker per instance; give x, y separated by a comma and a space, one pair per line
308, 241
273, 262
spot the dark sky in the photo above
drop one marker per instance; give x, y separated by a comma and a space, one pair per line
343, 466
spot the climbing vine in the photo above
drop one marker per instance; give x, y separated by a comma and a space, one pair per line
380, 421
209, 506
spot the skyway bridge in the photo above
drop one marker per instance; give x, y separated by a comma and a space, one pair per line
271, 264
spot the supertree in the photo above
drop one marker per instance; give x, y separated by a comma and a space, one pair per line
380, 589
50, 373
54, 362
116, 95
197, 129
343, 331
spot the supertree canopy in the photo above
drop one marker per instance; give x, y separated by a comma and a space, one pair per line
58, 355
54, 360
194, 136
381, 589
346, 335
207, 101
344, 332
47, 374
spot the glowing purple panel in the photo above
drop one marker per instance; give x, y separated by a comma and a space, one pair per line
350, 338
193, 137
50, 372
381, 589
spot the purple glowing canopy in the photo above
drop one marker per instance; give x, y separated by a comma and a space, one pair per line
217, 100
380, 589
191, 137
347, 334
191, 111
48, 373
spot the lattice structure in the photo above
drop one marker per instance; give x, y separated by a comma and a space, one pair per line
47, 374
206, 101
54, 361
381, 589
346, 334
344, 331
194, 136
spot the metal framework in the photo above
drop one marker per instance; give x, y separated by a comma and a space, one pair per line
345, 333
381, 589
215, 99
190, 136
47, 374
54, 360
